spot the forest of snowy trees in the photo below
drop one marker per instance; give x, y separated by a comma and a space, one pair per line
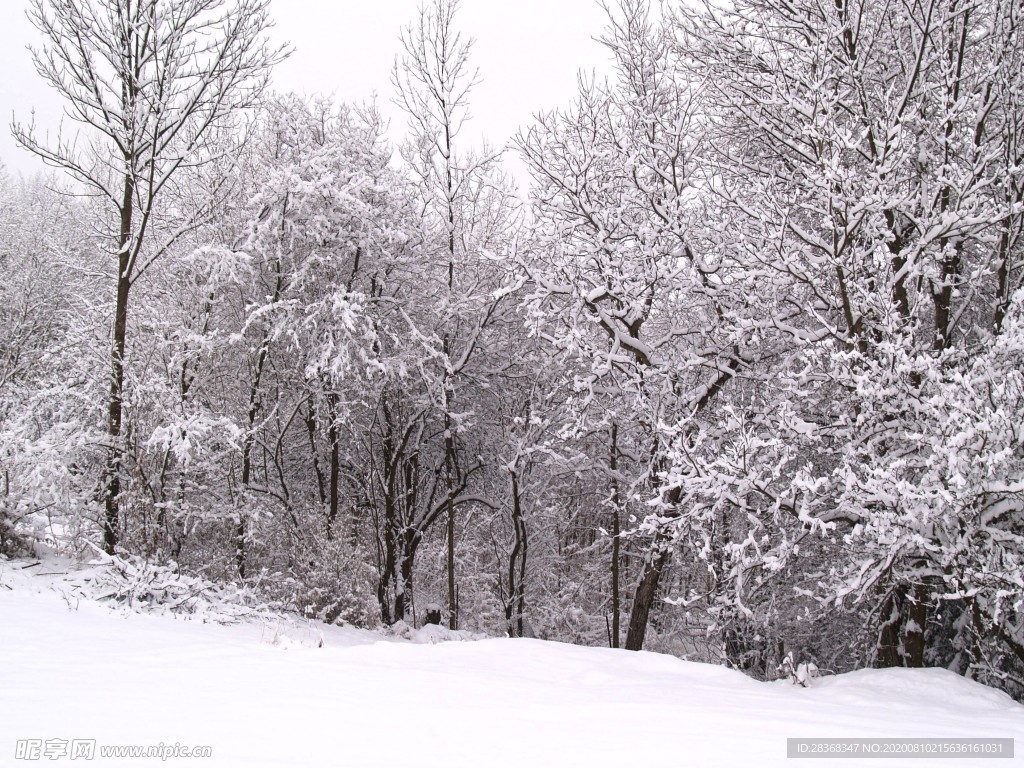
741, 379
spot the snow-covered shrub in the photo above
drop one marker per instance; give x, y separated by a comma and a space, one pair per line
164, 588
432, 634
798, 673
11, 542
323, 579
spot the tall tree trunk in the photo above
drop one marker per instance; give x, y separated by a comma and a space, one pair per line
247, 446
404, 585
388, 572
388, 568
453, 608
516, 605
115, 403
449, 470
246, 479
917, 623
318, 472
449, 438
613, 465
332, 438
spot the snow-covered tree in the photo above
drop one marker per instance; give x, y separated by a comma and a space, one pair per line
468, 209
866, 164
50, 365
151, 83
620, 276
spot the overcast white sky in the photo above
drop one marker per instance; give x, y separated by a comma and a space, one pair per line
528, 53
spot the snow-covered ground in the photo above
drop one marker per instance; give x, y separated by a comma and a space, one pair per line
279, 693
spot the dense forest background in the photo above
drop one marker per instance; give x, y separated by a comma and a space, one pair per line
740, 380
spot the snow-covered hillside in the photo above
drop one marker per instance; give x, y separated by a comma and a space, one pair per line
283, 693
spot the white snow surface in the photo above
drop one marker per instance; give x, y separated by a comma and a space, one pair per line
278, 693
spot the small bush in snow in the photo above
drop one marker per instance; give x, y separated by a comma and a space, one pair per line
799, 674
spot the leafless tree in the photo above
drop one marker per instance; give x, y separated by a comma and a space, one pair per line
433, 78
153, 84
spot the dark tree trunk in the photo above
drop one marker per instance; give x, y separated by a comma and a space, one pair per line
516, 604
453, 608
332, 438
890, 615
404, 586
387, 571
613, 465
917, 623
645, 593
449, 438
115, 403
387, 568
246, 479
247, 446
318, 471
449, 464
647, 588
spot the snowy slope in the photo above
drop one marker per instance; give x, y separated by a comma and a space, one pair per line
267, 694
